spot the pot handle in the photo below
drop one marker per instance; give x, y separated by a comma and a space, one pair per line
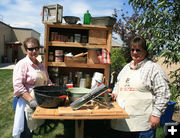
63, 96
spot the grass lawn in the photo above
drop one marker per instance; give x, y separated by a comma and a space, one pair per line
52, 128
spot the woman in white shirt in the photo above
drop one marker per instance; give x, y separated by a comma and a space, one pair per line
142, 90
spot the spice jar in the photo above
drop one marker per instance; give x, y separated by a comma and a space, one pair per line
51, 57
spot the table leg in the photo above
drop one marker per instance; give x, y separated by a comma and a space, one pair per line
79, 128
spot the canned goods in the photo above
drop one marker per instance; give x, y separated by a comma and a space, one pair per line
84, 39
59, 59
58, 52
51, 56
77, 38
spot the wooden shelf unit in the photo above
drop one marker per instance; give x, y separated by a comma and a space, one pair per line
98, 37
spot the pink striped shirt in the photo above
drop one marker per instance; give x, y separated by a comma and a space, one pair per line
24, 76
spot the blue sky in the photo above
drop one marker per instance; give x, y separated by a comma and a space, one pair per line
26, 13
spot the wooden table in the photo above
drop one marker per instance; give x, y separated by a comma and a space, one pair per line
87, 112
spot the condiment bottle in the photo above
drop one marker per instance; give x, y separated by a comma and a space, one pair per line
70, 81
87, 17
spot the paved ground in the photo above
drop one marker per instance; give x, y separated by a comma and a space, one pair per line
7, 65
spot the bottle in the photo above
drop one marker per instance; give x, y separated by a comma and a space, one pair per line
75, 79
79, 76
70, 81
87, 17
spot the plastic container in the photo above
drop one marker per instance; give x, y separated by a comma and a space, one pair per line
69, 85
167, 116
87, 17
98, 76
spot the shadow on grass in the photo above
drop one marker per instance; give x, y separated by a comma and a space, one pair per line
46, 128
69, 129
92, 129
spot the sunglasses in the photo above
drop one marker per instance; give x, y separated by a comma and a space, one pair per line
33, 48
137, 50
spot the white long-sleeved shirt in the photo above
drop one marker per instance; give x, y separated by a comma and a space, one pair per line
24, 75
154, 79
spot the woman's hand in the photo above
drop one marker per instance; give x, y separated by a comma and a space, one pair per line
51, 84
154, 121
114, 96
27, 96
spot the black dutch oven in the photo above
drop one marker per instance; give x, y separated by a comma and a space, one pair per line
50, 96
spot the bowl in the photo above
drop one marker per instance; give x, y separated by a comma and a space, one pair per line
71, 19
76, 92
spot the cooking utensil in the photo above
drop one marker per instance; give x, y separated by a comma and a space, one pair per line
55, 90
80, 54
89, 96
71, 19
50, 96
49, 101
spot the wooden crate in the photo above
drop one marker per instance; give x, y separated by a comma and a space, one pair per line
75, 59
98, 37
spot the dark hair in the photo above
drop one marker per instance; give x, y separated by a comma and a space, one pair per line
31, 40
140, 41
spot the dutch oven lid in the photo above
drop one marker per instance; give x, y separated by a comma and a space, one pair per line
54, 88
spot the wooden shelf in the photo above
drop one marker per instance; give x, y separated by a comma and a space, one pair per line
78, 65
73, 44
98, 37
78, 26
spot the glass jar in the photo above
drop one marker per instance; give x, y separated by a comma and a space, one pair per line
88, 81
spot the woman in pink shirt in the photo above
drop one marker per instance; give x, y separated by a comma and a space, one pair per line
27, 74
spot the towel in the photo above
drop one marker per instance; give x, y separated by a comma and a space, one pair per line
104, 56
18, 127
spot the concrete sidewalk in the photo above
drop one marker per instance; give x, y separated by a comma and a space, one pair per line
7, 65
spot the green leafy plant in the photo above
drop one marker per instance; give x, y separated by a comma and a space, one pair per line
117, 59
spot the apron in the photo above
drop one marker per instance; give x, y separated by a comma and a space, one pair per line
33, 124
137, 102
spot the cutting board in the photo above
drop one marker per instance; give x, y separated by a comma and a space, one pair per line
90, 110
84, 113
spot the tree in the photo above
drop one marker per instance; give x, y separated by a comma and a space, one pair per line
126, 28
117, 60
162, 20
